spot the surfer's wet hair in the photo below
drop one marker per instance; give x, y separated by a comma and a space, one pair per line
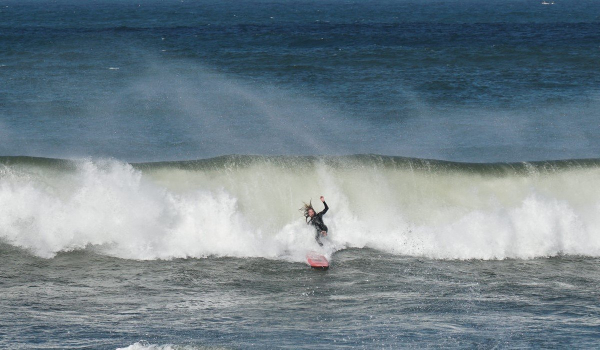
305, 208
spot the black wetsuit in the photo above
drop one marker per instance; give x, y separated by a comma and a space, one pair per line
317, 222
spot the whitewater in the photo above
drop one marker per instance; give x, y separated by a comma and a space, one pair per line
247, 206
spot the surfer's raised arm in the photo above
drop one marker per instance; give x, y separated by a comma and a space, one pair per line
326, 207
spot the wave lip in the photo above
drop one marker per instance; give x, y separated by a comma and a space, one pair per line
246, 206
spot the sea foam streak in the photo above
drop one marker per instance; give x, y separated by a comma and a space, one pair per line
247, 206
148, 346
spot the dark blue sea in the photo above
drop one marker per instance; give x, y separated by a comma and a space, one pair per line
154, 156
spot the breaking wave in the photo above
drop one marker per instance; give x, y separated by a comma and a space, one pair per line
247, 206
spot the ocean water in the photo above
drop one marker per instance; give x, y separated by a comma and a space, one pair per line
153, 157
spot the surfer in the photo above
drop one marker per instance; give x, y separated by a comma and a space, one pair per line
316, 219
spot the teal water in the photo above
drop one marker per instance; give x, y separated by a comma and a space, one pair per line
454, 80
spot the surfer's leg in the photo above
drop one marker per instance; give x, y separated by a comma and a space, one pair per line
318, 238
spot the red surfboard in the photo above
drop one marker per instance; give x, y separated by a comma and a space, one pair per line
317, 261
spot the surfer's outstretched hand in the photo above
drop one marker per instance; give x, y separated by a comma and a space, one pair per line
322, 199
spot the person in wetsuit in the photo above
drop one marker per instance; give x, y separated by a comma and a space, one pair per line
316, 220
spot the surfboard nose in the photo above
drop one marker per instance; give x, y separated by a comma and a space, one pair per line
316, 260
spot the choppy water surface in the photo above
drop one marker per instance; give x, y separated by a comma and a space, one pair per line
366, 299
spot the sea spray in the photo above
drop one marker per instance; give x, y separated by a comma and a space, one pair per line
247, 206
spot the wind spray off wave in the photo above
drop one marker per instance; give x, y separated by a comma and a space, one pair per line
247, 206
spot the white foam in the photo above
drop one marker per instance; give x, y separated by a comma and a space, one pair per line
147, 346
252, 211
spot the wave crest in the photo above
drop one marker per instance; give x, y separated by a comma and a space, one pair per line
246, 206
